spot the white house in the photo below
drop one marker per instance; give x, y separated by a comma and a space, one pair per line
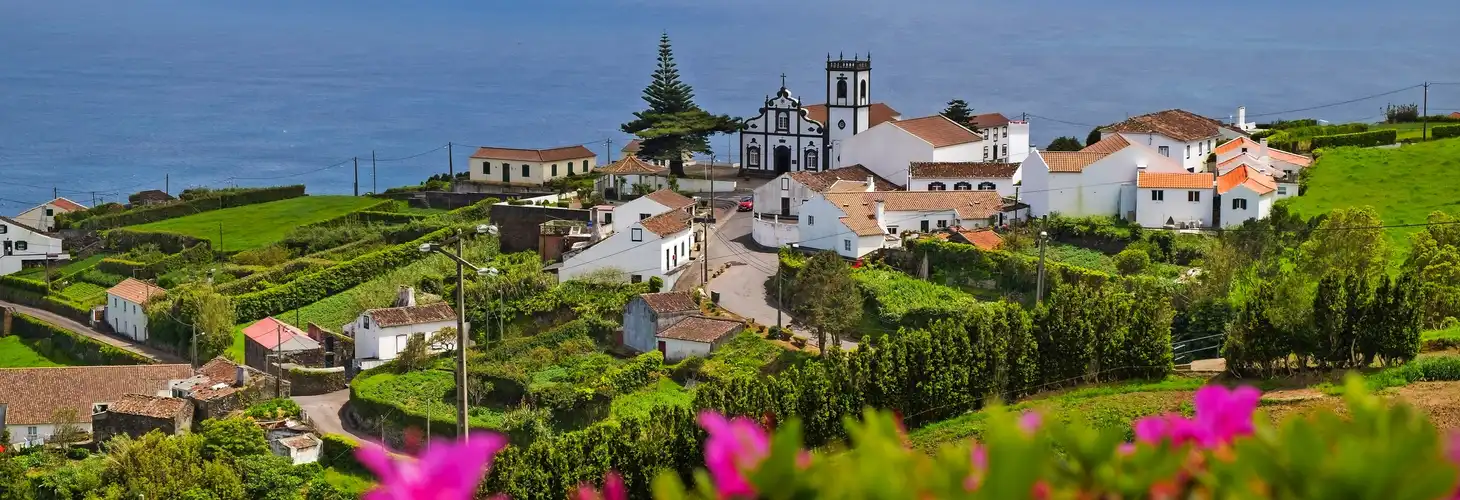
887, 149
650, 313
381, 334
634, 146
652, 204
695, 336
1005, 140
1182, 135
22, 243
659, 245
529, 167
126, 309
301, 449
43, 216
34, 400
1179, 199
1244, 194
1097, 180
785, 194
1256, 154
856, 223
963, 176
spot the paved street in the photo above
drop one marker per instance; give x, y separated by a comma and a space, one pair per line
326, 412
118, 342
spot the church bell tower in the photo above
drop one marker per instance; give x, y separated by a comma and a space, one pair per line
848, 98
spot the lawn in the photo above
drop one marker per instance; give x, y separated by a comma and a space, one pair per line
39, 273
639, 403
1415, 179
254, 226
85, 294
16, 352
1408, 130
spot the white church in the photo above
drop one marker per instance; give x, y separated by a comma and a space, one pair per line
787, 137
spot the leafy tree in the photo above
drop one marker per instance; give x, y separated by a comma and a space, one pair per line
269, 477
415, 356
160, 466
825, 298
673, 125
196, 305
233, 437
1132, 261
1349, 239
1064, 143
1094, 136
1435, 260
958, 111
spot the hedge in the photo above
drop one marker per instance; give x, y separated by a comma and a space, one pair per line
1361, 139
226, 199
121, 267
957, 263
29, 285
55, 304
314, 287
387, 217
1446, 131
347, 217
122, 240
277, 274
80, 347
338, 451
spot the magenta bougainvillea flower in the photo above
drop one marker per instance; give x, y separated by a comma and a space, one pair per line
447, 471
1029, 422
1221, 416
613, 489
979, 456
734, 446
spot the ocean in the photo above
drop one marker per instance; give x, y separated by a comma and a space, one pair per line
101, 98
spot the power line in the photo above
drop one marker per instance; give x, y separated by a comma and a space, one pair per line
1032, 115
417, 155
1340, 103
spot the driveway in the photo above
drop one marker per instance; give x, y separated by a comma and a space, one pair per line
118, 342
326, 413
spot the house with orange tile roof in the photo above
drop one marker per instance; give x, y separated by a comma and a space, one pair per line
1175, 133
1245, 193
43, 216
1097, 180
857, 222
126, 307
24, 245
1174, 199
1256, 154
889, 148
529, 167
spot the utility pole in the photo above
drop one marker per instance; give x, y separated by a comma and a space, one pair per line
1425, 115
373, 188
1039, 281
608, 150
705, 226
450, 172
55, 192
220, 234
461, 387
93, 199
357, 176
167, 183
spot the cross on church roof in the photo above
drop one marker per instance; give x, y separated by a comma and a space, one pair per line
783, 80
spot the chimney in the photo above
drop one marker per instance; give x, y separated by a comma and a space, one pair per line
1242, 117
240, 376
882, 214
871, 183
405, 297
1262, 149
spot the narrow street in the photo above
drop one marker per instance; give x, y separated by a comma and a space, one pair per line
326, 413
120, 343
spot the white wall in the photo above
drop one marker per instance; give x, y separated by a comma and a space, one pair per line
972, 151
1005, 187
126, 317
1258, 206
19, 433
1174, 205
1197, 160
820, 227
674, 251
1285, 190
886, 150
768, 196
390, 341
636, 210
644, 258
768, 231
37, 218
676, 349
538, 172
1100, 189
1018, 141
37, 247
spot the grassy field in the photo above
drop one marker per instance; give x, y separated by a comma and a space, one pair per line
258, 225
39, 273
664, 393
85, 294
1409, 130
16, 352
1416, 179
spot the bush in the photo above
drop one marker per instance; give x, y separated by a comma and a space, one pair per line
274, 409
338, 452
23, 284
271, 255
1132, 261
128, 241
1445, 132
77, 346
278, 274
193, 202
100, 278
1361, 139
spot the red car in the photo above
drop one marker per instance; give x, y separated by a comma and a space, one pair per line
746, 204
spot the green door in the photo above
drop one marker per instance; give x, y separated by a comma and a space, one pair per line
506, 172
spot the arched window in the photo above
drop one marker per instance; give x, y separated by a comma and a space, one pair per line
937, 186
752, 156
986, 186
963, 186
864, 90
783, 121
841, 88
812, 158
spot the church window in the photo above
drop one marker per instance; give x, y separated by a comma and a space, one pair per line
937, 186
864, 90
783, 121
963, 186
841, 88
811, 159
986, 186
752, 156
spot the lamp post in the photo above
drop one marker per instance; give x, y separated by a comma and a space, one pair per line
461, 265
1039, 281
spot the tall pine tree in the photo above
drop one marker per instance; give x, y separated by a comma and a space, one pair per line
958, 111
673, 125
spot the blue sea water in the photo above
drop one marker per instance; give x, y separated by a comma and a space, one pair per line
114, 96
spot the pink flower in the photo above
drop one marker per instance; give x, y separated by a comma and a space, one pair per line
979, 457
613, 489
1223, 415
447, 471
734, 447
1029, 422
1453, 449
1169, 427
1126, 449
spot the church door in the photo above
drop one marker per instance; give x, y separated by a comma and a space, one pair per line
783, 159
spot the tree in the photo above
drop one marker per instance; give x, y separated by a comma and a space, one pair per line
269, 477
1094, 136
1348, 239
415, 356
233, 437
197, 305
66, 431
958, 111
673, 125
1064, 143
825, 298
1132, 261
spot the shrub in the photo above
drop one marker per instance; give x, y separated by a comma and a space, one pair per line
128, 242
1445, 132
194, 202
28, 285
274, 409
277, 274
900, 299
271, 255
100, 278
1361, 139
1132, 261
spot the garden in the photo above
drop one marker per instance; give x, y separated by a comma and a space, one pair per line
252, 226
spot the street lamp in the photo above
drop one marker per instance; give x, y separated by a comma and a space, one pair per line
461, 265
1039, 281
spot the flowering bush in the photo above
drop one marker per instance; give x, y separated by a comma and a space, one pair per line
1380, 450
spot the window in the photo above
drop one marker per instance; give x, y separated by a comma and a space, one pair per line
847, 245
937, 186
637, 278
50, 211
942, 223
1193, 196
841, 88
1282, 190
1006, 150
752, 156
666, 256
608, 218
643, 216
32, 432
365, 322
21, 246
963, 186
585, 166
891, 229
986, 186
1188, 151
1158, 195
1165, 151
783, 121
985, 152
570, 168
486, 168
811, 159
524, 171
785, 183
636, 234
811, 220
4, 228
924, 225
1244, 149
400, 342
1239, 204
555, 170
1005, 131
98, 408
864, 89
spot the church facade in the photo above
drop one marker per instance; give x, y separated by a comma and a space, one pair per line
785, 138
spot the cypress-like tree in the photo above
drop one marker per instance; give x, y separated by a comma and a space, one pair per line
673, 125
958, 111
1094, 136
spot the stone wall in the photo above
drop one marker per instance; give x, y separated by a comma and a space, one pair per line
520, 224
109, 424
307, 381
259, 388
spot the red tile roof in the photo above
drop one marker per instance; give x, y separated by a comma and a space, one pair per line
671, 199
701, 329
271, 333
33, 395
67, 205
861, 208
1164, 180
633, 146
1246, 176
148, 406
962, 169
877, 113
218, 371
988, 120
938, 130
1177, 124
136, 291
630, 165
984, 238
666, 302
667, 223
1107, 145
821, 181
412, 315
1253, 147
1076, 161
551, 154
